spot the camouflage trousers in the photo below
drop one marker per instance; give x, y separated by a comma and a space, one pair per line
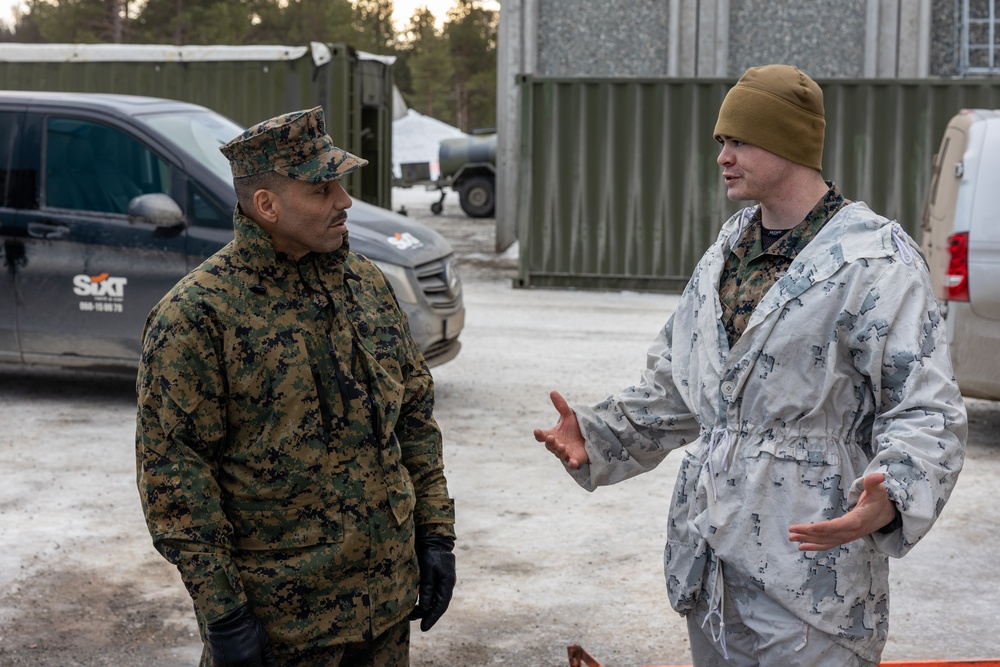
759, 633
390, 649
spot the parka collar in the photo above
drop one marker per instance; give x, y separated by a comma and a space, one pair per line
855, 232
254, 247
750, 245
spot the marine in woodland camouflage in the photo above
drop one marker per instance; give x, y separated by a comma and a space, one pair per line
286, 447
750, 269
842, 370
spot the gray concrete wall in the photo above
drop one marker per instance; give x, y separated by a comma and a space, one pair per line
721, 38
706, 38
944, 39
822, 38
709, 38
606, 38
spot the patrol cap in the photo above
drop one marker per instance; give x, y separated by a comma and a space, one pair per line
294, 144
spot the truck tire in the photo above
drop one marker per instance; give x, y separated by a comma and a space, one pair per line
477, 197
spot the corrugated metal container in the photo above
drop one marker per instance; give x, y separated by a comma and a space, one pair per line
618, 187
248, 84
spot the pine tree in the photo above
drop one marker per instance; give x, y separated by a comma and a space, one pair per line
74, 21
181, 22
304, 21
374, 30
428, 61
471, 34
449, 74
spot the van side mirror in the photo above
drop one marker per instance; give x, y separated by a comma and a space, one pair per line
156, 209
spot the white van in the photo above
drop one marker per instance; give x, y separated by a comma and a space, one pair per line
961, 240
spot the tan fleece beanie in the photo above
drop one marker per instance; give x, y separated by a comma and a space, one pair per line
777, 108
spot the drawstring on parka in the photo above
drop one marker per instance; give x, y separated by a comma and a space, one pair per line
717, 609
719, 440
745, 215
902, 247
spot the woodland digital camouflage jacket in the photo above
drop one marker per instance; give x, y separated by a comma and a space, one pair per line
843, 369
286, 447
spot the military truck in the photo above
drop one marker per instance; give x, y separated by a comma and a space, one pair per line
467, 166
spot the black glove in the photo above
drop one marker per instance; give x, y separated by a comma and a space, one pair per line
238, 640
437, 578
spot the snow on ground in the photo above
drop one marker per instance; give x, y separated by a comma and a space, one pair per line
541, 563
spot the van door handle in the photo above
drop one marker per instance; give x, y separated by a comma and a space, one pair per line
47, 230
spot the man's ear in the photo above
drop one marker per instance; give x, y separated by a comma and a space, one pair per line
267, 205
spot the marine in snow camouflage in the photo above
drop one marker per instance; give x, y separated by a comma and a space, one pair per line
842, 370
286, 447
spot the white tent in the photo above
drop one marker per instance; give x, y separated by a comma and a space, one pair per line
416, 137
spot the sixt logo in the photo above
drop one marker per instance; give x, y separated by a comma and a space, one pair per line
100, 285
404, 241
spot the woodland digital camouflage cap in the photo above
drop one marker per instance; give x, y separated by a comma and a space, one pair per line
294, 144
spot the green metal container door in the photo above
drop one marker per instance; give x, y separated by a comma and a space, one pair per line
618, 187
355, 93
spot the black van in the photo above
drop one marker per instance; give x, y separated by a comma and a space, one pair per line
106, 201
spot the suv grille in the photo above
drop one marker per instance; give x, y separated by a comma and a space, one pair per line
439, 283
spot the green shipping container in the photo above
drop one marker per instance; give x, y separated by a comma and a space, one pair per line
246, 83
618, 187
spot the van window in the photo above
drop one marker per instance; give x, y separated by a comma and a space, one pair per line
17, 180
7, 137
199, 134
205, 213
93, 167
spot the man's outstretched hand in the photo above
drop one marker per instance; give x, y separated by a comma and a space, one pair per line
564, 439
873, 511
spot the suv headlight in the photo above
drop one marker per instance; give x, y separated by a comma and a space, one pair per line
401, 280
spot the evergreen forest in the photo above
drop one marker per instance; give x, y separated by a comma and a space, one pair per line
447, 72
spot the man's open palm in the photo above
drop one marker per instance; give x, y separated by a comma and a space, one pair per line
564, 439
873, 511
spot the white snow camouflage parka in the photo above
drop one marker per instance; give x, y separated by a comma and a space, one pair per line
843, 370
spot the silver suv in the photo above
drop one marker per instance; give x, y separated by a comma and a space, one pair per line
106, 201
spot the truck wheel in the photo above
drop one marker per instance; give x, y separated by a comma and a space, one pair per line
477, 197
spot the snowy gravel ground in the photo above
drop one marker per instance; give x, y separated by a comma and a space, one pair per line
542, 564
